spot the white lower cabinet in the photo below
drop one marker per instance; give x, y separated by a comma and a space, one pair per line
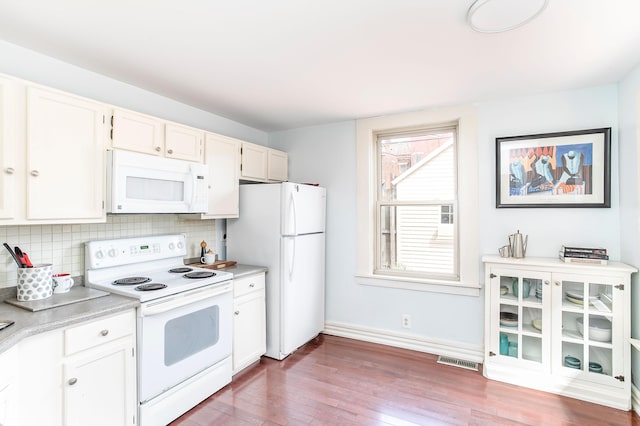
536, 311
249, 320
8, 387
80, 375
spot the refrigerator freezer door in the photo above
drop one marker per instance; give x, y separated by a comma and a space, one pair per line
302, 296
303, 209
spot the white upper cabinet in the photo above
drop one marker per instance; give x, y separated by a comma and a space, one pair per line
137, 132
262, 164
183, 143
277, 162
254, 162
222, 155
65, 156
142, 133
10, 143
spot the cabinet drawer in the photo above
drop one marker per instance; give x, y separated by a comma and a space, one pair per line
248, 284
98, 332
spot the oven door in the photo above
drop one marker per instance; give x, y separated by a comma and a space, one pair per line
181, 335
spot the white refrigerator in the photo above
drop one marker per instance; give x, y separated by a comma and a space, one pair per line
281, 226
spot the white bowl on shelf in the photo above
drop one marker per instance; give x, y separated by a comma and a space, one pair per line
599, 328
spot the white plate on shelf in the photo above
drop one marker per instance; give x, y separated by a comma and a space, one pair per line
579, 295
537, 324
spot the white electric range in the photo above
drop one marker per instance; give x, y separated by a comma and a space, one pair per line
184, 321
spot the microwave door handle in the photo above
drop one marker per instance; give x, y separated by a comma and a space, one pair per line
192, 175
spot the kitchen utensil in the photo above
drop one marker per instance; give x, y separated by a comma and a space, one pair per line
599, 328
62, 283
508, 319
208, 258
594, 367
13, 255
5, 323
572, 362
505, 251
203, 250
34, 283
518, 244
504, 290
526, 288
23, 258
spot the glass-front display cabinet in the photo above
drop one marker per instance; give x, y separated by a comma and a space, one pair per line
563, 328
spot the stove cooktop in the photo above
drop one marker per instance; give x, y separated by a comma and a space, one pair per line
157, 283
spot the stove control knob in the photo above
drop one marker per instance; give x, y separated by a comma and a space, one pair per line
113, 252
171, 246
99, 254
180, 245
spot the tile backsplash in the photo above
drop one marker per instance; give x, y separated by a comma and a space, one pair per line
63, 245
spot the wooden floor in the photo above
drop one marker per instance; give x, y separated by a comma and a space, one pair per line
338, 381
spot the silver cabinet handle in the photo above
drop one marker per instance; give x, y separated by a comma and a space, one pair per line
558, 283
35, 173
236, 313
104, 332
252, 285
170, 151
546, 282
9, 170
72, 381
158, 149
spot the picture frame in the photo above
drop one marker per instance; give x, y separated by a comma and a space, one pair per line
562, 169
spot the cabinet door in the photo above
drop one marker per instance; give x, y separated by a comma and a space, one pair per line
249, 329
8, 387
65, 157
222, 155
278, 168
588, 318
137, 132
254, 162
99, 386
520, 316
11, 141
183, 143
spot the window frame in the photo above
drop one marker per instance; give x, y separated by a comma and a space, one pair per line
367, 131
394, 204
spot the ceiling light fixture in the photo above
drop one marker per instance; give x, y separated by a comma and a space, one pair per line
496, 16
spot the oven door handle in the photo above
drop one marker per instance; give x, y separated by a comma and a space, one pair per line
179, 300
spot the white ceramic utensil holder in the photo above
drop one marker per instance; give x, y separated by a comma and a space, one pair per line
34, 283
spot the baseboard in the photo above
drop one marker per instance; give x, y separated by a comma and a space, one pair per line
406, 341
635, 399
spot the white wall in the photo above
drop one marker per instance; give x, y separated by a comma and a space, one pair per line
326, 154
629, 120
29, 65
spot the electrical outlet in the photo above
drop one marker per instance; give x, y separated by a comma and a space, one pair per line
406, 321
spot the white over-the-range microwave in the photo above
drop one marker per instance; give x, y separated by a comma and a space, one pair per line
142, 183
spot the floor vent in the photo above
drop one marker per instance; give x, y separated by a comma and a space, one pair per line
469, 365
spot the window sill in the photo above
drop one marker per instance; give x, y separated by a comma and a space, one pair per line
434, 286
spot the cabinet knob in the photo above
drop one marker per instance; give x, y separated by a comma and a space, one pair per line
169, 151
557, 283
72, 381
9, 170
252, 285
35, 173
104, 332
158, 149
236, 313
546, 282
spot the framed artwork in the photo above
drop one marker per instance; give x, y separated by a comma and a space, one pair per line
564, 169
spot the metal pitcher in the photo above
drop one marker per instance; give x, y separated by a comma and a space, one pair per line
518, 244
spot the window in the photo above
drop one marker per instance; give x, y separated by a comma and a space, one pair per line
413, 199
417, 199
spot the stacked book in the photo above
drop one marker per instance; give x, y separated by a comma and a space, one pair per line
590, 255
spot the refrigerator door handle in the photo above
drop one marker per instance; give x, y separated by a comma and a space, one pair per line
295, 216
292, 259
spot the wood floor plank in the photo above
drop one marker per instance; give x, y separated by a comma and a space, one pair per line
338, 381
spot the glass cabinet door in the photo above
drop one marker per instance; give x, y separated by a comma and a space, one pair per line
587, 309
522, 320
